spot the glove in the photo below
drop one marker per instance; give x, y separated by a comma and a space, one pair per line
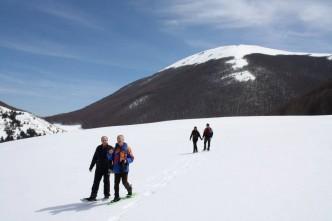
90, 169
109, 171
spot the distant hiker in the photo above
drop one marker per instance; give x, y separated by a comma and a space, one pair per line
195, 135
207, 135
103, 169
122, 156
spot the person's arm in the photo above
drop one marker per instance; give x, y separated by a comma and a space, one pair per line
94, 160
110, 158
191, 135
204, 133
199, 135
130, 156
110, 154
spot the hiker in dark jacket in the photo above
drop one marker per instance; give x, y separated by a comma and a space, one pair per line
103, 169
195, 135
121, 157
207, 135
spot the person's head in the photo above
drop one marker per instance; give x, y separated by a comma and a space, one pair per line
207, 125
104, 140
195, 128
120, 139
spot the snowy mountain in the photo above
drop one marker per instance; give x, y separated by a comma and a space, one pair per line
17, 124
241, 80
258, 169
237, 53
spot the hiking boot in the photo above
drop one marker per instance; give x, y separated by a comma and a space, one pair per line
116, 199
106, 197
130, 191
90, 199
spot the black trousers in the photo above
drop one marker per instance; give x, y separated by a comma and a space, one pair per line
208, 141
99, 173
195, 146
117, 178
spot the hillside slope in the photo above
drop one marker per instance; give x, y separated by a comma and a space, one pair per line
3, 104
317, 101
16, 124
227, 81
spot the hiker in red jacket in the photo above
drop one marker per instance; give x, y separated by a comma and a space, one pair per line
207, 135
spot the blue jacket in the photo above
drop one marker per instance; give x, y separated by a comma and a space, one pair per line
121, 158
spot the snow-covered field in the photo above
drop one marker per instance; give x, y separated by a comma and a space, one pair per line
259, 169
69, 128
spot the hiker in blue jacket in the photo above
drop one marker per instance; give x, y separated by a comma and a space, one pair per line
121, 157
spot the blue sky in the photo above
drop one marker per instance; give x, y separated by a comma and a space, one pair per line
58, 56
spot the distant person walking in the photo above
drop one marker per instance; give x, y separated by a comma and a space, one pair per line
207, 135
103, 169
195, 135
122, 156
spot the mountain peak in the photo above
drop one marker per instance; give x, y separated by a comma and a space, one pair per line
237, 52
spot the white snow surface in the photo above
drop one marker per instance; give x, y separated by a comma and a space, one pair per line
27, 120
241, 76
258, 169
69, 128
237, 52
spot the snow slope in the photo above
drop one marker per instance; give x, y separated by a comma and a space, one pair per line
237, 52
258, 169
27, 121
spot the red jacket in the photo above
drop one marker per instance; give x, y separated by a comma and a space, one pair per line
208, 133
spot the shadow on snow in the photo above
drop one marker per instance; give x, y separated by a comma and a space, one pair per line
77, 207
